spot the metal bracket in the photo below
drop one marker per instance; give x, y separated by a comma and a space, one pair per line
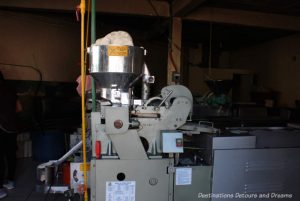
171, 169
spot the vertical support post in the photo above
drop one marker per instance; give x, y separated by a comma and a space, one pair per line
174, 55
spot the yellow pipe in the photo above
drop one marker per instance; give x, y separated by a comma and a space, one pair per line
82, 10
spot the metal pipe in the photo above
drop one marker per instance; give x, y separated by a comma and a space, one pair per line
146, 85
93, 21
164, 100
93, 40
152, 99
145, 91
62, 159
135, 80
69, 153
83, 75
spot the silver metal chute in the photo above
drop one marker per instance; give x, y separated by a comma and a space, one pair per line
116, 66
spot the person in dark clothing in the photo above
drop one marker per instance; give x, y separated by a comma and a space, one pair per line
8, 130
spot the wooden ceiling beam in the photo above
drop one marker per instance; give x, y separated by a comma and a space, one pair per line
246, 18
183, 7
134, 7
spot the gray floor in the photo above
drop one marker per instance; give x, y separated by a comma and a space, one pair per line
25, 184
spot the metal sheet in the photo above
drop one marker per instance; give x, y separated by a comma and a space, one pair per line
257, 172
213, 142
113, 115
151, 178
201, 182
126, 142
129, 146
276, 138
234, 142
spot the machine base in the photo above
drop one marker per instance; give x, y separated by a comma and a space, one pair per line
140, 180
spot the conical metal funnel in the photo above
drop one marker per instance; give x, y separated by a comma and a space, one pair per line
116, 66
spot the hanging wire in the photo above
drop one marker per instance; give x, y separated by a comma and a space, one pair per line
210, 49
153, 7
173, 44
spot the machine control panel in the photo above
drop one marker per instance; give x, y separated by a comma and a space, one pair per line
172, 141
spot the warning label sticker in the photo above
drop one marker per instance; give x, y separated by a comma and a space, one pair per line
183, 176
120, 191
117, 51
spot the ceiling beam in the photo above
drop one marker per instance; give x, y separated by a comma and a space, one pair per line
180, 8
247, 18
134, 7
183, 7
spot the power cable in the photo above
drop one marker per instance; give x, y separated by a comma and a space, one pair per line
51, 184
25, 66
172, 43
39, 81
153, 7
30, 193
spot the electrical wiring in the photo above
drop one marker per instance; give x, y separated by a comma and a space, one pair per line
39, 82
172, 60
153, 7
25, 66
30, 193
50, 186
173, 44
30, 67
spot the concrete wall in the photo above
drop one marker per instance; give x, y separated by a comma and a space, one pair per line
277, 64
50, 43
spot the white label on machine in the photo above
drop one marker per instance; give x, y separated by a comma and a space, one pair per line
120, 191
183, 176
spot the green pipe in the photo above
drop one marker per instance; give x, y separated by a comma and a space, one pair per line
93, 21
93, 40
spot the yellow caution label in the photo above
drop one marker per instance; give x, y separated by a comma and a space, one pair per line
87, 167
117, 51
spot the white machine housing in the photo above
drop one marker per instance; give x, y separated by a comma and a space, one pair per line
127, 150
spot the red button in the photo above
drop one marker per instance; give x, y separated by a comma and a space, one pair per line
98, 149
179, 142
